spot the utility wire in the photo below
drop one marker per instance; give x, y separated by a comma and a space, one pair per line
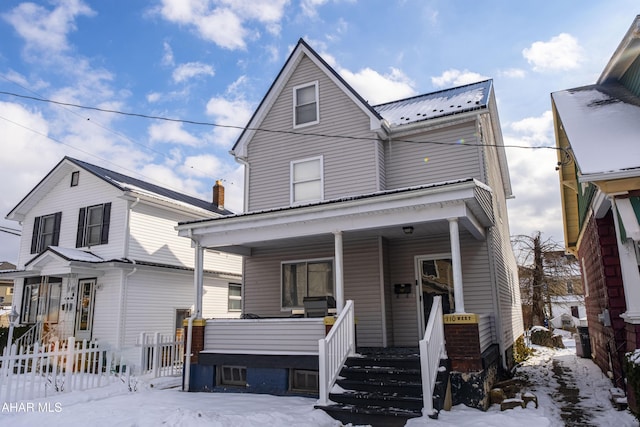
8, 230
245, 128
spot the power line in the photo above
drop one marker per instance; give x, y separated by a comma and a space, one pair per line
8, 230
279, 131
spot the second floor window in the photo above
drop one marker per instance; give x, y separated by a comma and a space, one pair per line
306, 180
93, 225
305, 105
46, 232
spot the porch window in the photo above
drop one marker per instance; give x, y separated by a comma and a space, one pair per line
305, 105
307, 180
306, 279
46, 232
93, 225
235, 297
41, 299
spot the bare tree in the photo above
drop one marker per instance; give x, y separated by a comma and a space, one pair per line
545, 271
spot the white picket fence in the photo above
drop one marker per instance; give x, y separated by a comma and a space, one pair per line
41, 371
160, 355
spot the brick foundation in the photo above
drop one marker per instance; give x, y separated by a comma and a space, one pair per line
197, 338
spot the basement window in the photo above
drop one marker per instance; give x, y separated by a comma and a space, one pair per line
302, 380
233, 375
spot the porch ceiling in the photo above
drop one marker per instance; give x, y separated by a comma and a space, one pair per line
426, 209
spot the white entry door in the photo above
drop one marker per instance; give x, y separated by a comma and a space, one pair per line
84, 313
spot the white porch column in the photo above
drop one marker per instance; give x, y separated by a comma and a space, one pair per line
339, 272
197, 280
630, 273
454, 236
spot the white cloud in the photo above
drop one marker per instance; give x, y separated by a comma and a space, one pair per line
167, 56
153, 97
223, 23
171, 132
309, 7
191, 69
228, 112
377, 88
561, 53
44, 30
534, 180
455, 77
513, 73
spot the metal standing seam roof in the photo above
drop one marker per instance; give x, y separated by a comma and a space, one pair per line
121, 181
447, 102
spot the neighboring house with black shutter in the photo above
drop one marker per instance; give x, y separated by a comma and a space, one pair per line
100, 258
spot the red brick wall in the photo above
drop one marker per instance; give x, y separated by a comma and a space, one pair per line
599, 251
463, 347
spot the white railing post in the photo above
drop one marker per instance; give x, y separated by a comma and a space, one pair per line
334, 349
156, 354
431, 351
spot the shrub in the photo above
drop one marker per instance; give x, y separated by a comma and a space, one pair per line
521, 351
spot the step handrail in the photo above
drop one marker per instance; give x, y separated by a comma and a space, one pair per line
432, 350
334, 349
32, 336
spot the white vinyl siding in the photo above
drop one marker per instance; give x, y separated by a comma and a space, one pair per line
350, 165
68, 200
154, 239
306, 110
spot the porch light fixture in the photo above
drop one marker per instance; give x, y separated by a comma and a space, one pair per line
408, 229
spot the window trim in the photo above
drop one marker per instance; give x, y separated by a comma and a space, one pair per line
295, 105
37, 240
307, 261
292, 183
234, 297
75, 178
43, 300
83, 234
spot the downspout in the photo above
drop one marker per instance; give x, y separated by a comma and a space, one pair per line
125, 280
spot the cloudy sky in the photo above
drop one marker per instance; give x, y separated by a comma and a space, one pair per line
210, 62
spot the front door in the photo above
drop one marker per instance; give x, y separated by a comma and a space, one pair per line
84, 313
434, 276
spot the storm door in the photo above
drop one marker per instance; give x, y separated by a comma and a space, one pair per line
84, 314
434, 277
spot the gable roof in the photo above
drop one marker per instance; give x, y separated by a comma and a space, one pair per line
301, 50
120, 181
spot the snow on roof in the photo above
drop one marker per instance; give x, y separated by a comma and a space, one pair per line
437, 104
73, 254
602, 125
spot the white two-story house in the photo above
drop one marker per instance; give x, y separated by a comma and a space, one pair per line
100, 258
386, 206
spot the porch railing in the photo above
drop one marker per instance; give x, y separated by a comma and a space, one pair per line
334, 349
32, 336
432, 350
160, 355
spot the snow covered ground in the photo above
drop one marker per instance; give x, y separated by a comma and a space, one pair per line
558, 378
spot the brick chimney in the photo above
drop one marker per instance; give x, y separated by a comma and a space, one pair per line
218, 195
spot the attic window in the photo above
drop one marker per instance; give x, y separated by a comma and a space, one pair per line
305, 105
75, 176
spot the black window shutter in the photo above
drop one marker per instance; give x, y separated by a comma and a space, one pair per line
80, 235
56, 229
106, 217
34, 237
